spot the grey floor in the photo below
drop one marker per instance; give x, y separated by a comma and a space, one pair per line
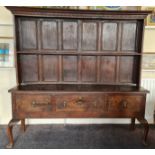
78, 137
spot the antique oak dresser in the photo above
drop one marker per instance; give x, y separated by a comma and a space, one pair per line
78, 64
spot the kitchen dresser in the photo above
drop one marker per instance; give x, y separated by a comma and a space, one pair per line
78, 64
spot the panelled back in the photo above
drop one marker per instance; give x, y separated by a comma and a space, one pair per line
49, 34
28, 34
78, 51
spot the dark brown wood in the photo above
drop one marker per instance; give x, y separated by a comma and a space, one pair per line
78, 64
28, 34
89, 66
70, 35
78, 104
58, 52
144, 122
49, 31
89, 36
87, 88
133, 123
126, 73
80, 38
50, 67
108, 69
109, 36
28, 68
129, 36
85, 14
23, 127
70, 66
126, 103
11, 124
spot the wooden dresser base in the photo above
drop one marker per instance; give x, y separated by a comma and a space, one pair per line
77, 101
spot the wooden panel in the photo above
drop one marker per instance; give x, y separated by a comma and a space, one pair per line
109, 36
34, 106
50, 68
80, 103
124, 103
108, 69
70, 68
70, 35
28, 68
49, 35
89, 36
89, 68
28, 35
127, 66
129, 36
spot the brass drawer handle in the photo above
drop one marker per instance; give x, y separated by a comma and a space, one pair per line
124, 104
35, 104
95, 104
62, 105
80, 100
65, 104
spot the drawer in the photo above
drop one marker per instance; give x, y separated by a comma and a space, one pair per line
126, 103
80, 103
34, 105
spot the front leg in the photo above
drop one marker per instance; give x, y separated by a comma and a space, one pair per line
23, 125
12, 123
9, 132
132, 123
144, 122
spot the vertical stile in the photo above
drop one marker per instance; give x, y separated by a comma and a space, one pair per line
79, 49
119, 38
99, 49
60, 48
39, 42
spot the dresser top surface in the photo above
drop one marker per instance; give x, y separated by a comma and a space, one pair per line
77, 88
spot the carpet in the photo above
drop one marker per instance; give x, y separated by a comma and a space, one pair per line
79, 137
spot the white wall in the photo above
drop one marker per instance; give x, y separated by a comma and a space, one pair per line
8, 80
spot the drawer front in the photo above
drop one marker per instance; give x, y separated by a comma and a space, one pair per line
34, 105
126, 103
80, 103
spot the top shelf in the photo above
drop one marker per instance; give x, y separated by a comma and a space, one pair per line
68, 13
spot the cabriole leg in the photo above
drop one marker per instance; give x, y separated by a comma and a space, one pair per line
9, 132
10, 137
11, 124
144, 122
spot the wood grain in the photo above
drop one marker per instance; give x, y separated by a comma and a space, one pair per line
50, 68
129, 36
49, 33
28, 34
126, 69
108, 69
70, 70
70, 40
89, 36
28, 68
88, 66
109, 36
